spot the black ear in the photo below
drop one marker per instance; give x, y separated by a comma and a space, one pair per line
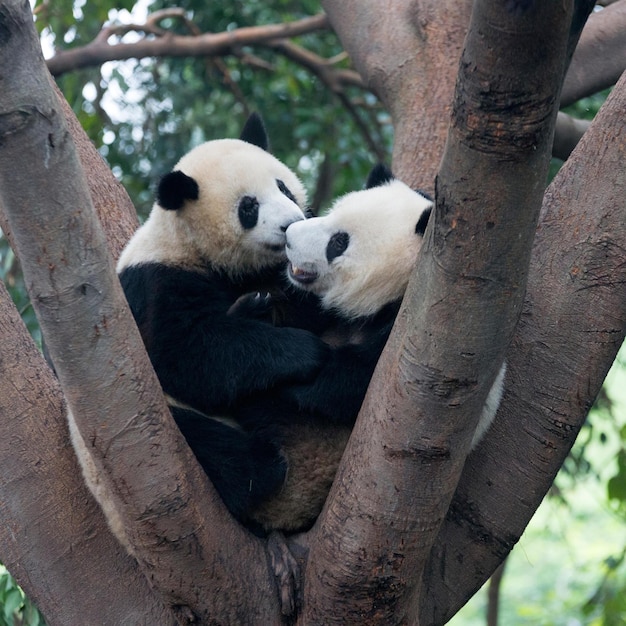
425, 194
175, 189
380, 175
254, 132
420, 227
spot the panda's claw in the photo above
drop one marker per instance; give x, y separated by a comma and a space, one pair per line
253, 305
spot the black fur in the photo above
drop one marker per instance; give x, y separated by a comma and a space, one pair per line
420, 227
339, 389
285, 190
202, 356
175, 189
254, 132
337, 245
248, 212
379, 175
244, 468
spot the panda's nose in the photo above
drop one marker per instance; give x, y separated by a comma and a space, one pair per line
286, 225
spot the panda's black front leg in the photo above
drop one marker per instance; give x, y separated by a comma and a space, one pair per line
340, 387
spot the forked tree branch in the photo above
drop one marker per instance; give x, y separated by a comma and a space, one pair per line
408, 448
150, 474
574, 323
600, 57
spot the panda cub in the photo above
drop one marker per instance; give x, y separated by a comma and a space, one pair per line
215, 232
356, 263
341, 261
357, 260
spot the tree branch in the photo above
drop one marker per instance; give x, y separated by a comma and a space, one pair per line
568, 132
600, 57
574, 323
493, 596
391, 46
165, 43
69, 546
430, 384
152, 477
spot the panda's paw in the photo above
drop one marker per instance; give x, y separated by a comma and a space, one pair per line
306, 355
253, 305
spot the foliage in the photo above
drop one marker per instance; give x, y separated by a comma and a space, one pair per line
144, 114
15, 608
569, 568
11, 275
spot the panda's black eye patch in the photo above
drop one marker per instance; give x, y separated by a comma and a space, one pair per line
248, 212
337, 245
285, 190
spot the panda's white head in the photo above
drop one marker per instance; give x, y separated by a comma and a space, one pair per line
359, 257
227, 203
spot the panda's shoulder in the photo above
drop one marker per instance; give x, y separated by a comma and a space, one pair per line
173, 284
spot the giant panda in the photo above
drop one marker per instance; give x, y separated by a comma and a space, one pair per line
356, 261
215, 232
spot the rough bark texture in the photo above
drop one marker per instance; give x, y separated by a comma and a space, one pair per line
573, 324
416, 423
600, 56
408, 52
110, 200
68, 555
179, 540
394, 489
113, 206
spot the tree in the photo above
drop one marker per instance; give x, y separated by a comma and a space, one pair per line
413, 526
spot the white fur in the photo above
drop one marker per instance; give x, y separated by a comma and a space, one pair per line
490, 408
375, 268
95, 480
208, 229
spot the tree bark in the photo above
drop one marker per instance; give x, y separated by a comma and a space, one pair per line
385, 512
573, 324
68, 553
422, 406
169, 44
567, 135
408, 54
151, 476
600, 57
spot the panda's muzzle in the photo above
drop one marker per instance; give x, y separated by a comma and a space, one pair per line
300, 275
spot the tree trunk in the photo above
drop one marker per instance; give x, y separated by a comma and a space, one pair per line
401, 467
53, 537
149, 474
408, 53
573, 324
411, 528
